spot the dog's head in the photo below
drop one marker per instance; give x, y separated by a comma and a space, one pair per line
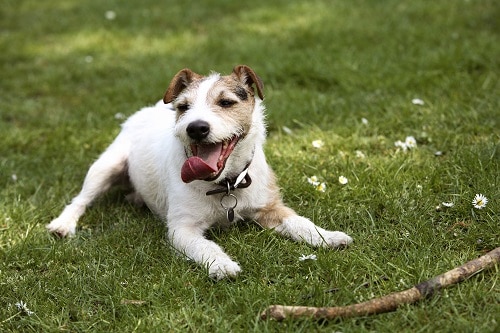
216, 116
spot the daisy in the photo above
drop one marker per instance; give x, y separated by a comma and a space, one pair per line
364, 121
360, 154
308, 257
110, 15
21, 306
343, 180
410, 142
313, 180
401, 144
318, 143
119, 116
417, 101
321, 187
448, 204
479, 201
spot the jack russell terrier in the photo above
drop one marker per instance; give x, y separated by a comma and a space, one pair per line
196, 159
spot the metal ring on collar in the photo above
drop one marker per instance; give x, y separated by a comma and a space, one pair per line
230, 195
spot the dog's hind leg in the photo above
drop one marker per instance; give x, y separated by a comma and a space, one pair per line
102, 174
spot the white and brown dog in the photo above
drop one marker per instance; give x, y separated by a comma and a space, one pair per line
196, 159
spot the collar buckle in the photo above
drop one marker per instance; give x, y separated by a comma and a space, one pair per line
227, 185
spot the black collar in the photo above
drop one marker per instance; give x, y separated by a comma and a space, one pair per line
243, 180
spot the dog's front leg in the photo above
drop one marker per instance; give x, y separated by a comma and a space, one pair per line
188, 239
286, 222
101, 175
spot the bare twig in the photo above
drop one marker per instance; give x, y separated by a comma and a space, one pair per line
389, 302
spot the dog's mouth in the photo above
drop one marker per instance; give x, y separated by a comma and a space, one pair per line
207, 160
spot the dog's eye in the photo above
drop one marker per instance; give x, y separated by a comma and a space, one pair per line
183, 107
226, 103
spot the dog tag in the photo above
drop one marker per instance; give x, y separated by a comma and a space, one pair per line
229, 203
230, 214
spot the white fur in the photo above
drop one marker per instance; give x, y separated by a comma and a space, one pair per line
151, 148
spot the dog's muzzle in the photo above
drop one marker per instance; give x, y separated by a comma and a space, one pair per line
207, 159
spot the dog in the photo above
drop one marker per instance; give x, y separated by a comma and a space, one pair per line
196, 159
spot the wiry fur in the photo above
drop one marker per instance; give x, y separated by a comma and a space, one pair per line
152, 147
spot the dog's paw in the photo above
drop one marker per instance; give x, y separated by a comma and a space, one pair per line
223, 268
335, 239
61, 227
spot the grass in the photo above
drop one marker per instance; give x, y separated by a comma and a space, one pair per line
67, 71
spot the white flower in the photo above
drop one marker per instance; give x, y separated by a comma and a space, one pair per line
360, 154
448, 204
313, 180
343, 180
364, 121
410, 142
321, 187
21, 306
88, 59
417, 101
13, 177
479, 201
401, 144
110, 15
119, 116
318, 143
308, 257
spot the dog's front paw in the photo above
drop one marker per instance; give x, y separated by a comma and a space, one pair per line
61, 227
335, 239
223, 268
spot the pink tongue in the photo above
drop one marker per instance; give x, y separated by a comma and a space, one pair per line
202, 166
195, 168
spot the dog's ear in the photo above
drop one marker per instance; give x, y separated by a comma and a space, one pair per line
246, 75
180, 81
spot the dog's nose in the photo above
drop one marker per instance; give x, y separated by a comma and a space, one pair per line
198, 129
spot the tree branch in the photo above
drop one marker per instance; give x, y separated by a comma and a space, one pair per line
389, 302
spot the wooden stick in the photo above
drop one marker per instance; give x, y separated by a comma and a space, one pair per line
389, 302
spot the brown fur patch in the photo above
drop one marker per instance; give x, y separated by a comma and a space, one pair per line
241, 111
227, 89
275, 211
235, 88
181, 80
247, 76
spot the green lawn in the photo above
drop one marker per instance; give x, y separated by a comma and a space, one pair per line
343, 72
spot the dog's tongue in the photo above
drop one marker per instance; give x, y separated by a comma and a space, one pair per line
203, 164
